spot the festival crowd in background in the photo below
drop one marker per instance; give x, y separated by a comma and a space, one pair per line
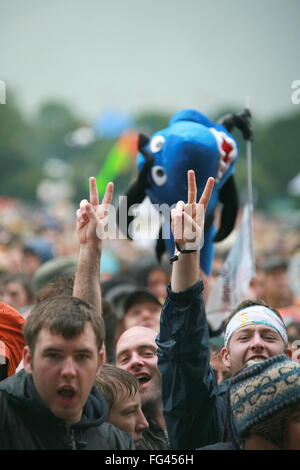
142, 406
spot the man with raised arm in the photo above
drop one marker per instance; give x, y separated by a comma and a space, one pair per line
91, 222
194, 405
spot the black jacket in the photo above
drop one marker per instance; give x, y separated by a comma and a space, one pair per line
27, 424
219, 446
194, 405
154, 438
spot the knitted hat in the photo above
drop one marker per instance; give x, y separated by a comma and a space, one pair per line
261, 397
54, 270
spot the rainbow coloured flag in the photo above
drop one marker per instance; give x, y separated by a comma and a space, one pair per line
119, 159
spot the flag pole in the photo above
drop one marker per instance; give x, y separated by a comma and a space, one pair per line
250, 187
249, 163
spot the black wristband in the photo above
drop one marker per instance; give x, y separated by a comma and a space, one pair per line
175, 257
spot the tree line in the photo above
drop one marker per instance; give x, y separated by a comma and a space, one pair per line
27, 143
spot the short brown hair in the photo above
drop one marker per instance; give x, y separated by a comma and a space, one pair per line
55, 289
112, 380
64, 315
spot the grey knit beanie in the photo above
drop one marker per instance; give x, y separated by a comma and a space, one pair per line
262, 396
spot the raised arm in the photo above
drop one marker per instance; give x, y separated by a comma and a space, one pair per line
187, 228
193, 405
90, 224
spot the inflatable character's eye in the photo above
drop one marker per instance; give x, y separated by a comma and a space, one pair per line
156, 143
158, 175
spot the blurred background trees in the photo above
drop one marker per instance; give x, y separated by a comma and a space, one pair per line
56, 145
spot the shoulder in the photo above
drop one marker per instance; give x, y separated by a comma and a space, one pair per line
13, 384
115, 437
223, 387
154, 438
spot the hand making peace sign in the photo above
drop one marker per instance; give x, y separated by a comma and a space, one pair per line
91, 218
187, 220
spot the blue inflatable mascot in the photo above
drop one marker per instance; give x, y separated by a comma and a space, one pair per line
191, 141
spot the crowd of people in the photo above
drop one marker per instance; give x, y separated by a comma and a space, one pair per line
102, 347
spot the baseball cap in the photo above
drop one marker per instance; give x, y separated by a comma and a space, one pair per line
138, 297
41, 247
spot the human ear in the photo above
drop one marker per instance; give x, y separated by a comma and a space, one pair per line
225, 356
27, 359
100, 361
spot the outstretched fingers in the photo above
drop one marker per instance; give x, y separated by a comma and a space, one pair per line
192, 187
109, 192
206, 195
94, 197
177, 221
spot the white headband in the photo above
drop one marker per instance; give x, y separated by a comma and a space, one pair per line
257, 314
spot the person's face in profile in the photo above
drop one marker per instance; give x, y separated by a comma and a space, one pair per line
126, 414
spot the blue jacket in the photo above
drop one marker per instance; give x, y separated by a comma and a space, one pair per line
194, 405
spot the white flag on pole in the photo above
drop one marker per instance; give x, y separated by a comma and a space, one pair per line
239, 268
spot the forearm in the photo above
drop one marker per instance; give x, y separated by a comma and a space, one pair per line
185, 271
87, 278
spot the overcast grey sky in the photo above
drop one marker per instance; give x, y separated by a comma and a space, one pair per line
162, 55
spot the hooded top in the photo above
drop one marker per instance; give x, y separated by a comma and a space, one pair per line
12, 339
26, 423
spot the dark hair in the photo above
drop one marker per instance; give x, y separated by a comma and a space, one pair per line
296, 325
216, 344
64, 315
112, 380
64, 287
26, 283
139, 297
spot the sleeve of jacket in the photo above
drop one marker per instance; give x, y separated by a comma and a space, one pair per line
192, 411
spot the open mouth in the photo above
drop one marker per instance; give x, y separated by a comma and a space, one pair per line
143, 379
66, 393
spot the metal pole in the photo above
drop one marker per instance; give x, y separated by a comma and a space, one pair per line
249, 163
